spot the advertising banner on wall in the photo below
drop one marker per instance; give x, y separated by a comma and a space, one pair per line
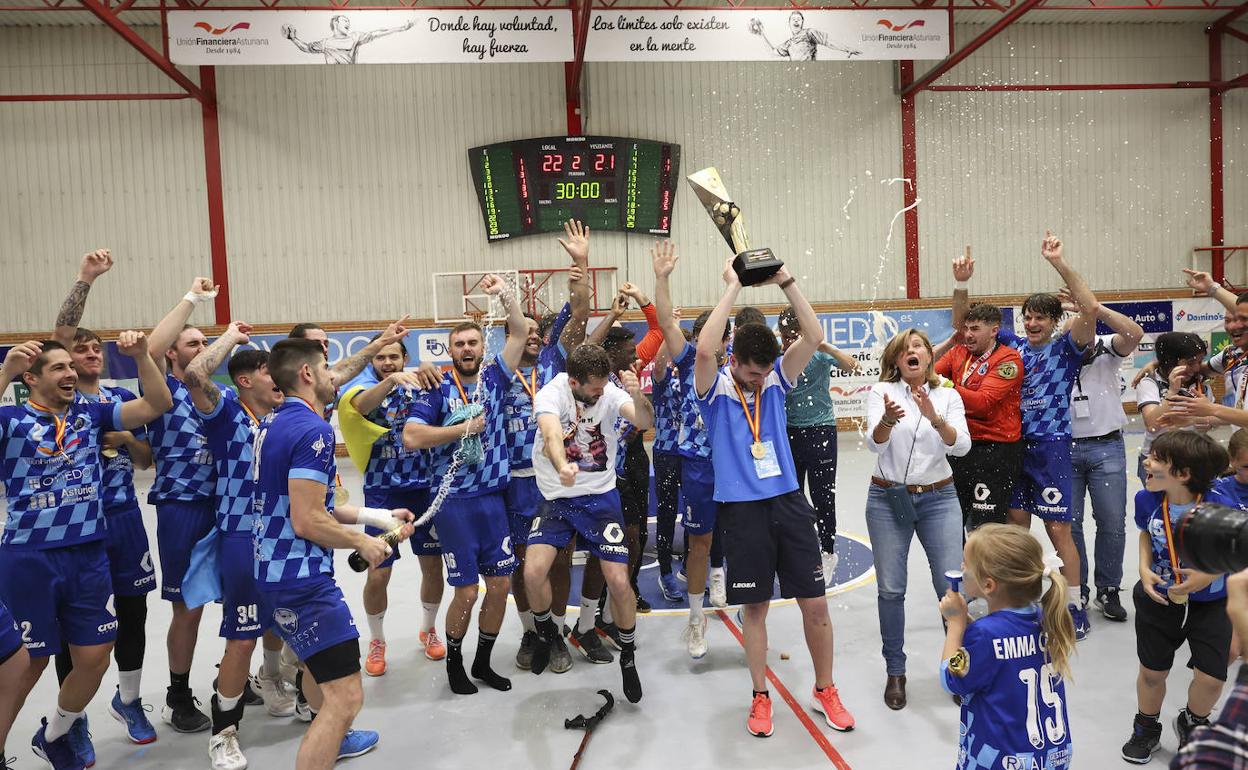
370, 37
860, 334
765, 35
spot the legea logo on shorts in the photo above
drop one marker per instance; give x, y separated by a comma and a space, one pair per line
287, 620
1051, 495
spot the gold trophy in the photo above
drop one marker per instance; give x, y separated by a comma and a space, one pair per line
752, 266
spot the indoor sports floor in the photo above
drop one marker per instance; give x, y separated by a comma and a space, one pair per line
693, 713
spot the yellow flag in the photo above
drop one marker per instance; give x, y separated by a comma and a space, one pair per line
358, 431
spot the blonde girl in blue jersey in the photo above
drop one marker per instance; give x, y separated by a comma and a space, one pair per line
1009, 667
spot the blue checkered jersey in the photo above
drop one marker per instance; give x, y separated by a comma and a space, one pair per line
1148, 518
390, 465
1049, 373
739, 477
518, 403
669, 404
52, 482
1013, 703
628, 433
295, 443
184, 468
231, 435
435, 407
694, 440
118, 487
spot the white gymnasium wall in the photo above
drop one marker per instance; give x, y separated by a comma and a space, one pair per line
345, 187
82, 175
1122, 176
348, 186
1235, 160
805, 149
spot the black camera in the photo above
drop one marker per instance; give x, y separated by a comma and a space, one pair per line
1213, 538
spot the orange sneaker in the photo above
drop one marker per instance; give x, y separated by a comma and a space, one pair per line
375, 663
759, 723
434, 648
828, 702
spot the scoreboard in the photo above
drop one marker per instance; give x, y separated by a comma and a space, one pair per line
532, 186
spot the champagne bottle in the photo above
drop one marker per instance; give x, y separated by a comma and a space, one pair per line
389, 537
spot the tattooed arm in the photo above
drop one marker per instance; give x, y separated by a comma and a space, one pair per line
345, 370
94, 264
198, 376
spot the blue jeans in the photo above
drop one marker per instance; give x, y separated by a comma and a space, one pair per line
939, 527
1099, 468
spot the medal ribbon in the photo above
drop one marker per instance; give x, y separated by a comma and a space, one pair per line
971, 366
530, 388
459, 386
1174, 556
58, 420
754, 422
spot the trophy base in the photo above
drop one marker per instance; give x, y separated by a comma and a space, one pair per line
755, 266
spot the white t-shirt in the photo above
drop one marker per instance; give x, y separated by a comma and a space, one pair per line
591, 438
1152, 390
1100, 381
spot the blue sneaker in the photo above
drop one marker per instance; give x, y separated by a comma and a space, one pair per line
80, 739
134, 716
58, 753
357, 742
1082, 626
670, 588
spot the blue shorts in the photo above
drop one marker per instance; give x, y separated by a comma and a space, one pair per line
1045, 487
180, 524
310, 617
523, 498
697, 489
240, 597
59, 596
475, 538
596, 520
425, 540
10, 634
129, 553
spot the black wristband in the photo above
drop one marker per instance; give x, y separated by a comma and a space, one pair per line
786, 284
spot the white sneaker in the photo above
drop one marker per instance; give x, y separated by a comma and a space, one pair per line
694, 637
829, 568
719, 590
279, 698
224, 751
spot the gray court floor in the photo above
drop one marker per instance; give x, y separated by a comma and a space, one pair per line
693, 713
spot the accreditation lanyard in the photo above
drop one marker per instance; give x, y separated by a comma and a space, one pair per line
754, 421
1174, 555
58, 420
971, 366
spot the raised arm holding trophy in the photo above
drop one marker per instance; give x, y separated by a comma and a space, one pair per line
753, 266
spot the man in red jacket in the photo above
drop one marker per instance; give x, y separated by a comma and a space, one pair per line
989, 377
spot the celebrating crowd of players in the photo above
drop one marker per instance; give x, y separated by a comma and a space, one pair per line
538, 448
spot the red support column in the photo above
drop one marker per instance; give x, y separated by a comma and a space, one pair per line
572, 71
1216, 202
216, 201
910, 189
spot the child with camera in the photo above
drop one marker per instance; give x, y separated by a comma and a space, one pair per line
1174, 603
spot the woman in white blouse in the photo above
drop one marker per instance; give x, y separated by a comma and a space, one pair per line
915, 424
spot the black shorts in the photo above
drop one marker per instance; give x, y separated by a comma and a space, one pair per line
984, 479
340, 660
634, 484
1159, 631
766, 539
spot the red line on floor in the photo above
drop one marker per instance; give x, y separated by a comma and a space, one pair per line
798, 710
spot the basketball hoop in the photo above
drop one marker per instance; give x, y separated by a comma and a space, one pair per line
476, 316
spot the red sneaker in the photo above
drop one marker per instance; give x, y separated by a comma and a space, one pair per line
759, 723
434, 648
828, 702
375, 663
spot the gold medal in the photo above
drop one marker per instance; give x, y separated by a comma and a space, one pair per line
1177, 598
341, 495
758, 450
108, 453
